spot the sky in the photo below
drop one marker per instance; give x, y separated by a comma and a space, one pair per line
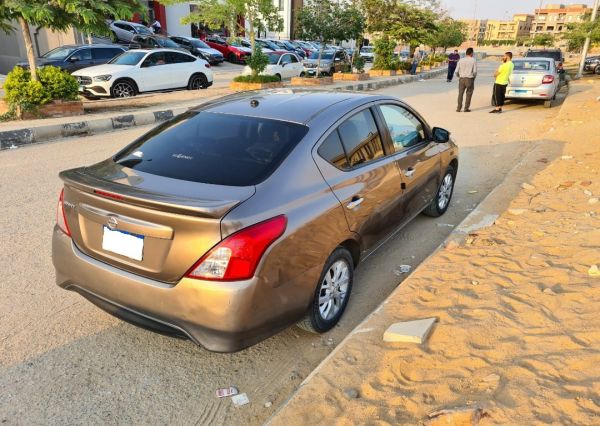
496, 9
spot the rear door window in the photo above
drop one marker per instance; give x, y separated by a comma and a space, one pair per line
105, 53
332, 151
214, 148
361, 139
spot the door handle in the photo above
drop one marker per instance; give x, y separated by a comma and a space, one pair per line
355, 203
409, 172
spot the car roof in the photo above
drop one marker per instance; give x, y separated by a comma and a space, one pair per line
102, 45
128, 22
160, 49
292, 105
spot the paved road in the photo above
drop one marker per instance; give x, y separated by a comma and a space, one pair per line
64, 361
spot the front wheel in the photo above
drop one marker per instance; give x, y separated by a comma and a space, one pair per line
440, 203
332, 293
278, 77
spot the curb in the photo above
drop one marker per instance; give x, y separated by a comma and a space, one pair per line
17, 138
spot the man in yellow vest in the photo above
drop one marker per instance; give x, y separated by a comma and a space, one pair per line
502, 75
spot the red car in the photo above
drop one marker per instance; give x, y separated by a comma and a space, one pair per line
233, 53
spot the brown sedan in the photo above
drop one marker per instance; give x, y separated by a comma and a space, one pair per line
246, 215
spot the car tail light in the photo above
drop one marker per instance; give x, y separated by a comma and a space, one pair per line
61, 219
548, 79
237, 256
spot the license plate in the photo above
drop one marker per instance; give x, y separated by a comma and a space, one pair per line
521, 91
123, 243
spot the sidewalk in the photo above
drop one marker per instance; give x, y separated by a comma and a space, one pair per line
518, 334
116, 114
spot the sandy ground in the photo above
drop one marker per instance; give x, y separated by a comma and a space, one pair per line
63, 361
518, 334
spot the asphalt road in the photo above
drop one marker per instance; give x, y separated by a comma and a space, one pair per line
63, 361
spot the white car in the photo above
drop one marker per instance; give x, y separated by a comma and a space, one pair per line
144, 70
534, 78
124, 31
367, 53
281, 65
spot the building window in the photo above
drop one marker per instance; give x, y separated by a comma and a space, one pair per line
281, 4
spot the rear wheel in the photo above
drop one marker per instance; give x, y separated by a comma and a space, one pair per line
440, 203
548, 103
231, 58
278, 76
197, 81
332, 293
123, 89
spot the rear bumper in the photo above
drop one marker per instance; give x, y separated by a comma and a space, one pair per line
544, 92
222, 317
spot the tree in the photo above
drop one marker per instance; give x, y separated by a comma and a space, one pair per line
258, 15
577, 33
326, 21
400, 21
89, 16
543, 40
449, 33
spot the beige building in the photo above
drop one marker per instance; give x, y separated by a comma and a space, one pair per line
553, 19
475, 29
518, 27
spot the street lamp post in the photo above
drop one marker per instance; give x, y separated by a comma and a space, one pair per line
586, 45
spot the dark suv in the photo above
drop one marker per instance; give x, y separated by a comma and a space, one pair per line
74, 57
555, 54
592, 64
154, 42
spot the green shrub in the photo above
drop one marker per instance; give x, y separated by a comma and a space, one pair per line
404, 65
256, 79
384, 54
258, 61
358, 62
58, 83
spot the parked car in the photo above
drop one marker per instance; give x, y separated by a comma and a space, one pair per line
367, 53
592, 64
332, 61
76, 56
534, 78
228, 237
289, 47
199, 48
265, 46
307, 47
234, 53
123, 31
555, 54
154, 41
145, 70
281, 65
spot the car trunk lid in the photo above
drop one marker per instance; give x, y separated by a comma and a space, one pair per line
150, 225
527, 78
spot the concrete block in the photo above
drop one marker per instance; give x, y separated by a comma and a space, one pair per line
410, 331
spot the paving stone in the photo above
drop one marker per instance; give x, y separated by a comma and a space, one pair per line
409, 331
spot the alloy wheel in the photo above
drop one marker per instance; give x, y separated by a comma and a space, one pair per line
334, 289
123, 90
445, 191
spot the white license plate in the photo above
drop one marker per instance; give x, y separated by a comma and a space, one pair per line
520, 92
123, 243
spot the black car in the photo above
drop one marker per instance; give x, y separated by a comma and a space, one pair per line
555, 54
199, 48
154, 42
592, 64
74, 57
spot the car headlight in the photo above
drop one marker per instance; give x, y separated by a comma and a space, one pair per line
103, 77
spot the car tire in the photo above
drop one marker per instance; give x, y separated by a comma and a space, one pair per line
597, 70
548, 103
331, 72
231, 58
303, 74
442, 199
197, 82
331, 294
278, 76
123, 89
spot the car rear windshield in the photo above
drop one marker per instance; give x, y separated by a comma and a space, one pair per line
532, 65
543, 54
214, 148
127, 58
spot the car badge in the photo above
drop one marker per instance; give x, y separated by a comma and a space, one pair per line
112, 223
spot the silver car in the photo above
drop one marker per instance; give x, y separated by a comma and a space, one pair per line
125, 31
534, 78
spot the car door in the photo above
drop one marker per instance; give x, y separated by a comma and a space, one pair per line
79, 59
416, 155
284, 66
295, 67
154, 73
338, 61
180, 68
102, 55
362, 175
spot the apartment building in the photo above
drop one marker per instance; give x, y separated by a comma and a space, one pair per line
475, 29
553, 19
519, 27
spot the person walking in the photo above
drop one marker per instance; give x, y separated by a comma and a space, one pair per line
157, 27
453, 59
416, 58
466, 71
502, 75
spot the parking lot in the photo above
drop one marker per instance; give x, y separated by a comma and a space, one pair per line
65, 361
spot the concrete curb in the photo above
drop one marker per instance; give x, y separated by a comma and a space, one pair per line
17, 138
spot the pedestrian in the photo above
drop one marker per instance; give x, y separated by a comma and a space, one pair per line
416, 58
466, 71
453, 59
502, 75
156, 26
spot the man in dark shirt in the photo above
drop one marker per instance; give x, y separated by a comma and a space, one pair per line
452, 62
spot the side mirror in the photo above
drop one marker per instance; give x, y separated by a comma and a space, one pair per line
440, 135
